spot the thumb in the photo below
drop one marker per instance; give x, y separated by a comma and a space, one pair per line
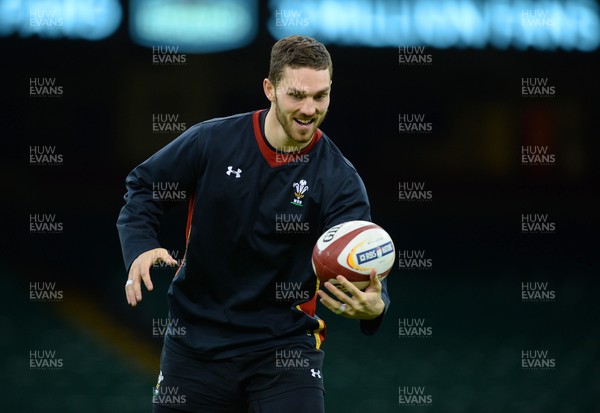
375, 283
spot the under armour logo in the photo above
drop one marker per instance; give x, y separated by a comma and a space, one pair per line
237, 173
315, 373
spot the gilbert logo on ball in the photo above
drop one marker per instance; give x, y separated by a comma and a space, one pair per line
353, 249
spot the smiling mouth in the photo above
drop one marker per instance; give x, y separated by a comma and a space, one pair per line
303, 122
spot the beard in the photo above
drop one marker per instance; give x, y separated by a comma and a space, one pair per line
291, 128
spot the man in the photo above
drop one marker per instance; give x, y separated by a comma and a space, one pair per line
245, 292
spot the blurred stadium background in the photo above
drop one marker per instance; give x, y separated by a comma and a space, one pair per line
116, 65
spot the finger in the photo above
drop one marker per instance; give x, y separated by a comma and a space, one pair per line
129, 294
343, 288
163, 255
329, 302
136, 286
339, 294
130, 289
350, 287
145, 275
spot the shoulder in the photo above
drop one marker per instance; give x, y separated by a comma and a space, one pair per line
220, 131
331, 154
226, 122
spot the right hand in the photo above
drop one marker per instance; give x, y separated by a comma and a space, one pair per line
140, 270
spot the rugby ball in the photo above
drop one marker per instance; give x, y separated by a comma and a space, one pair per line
353, 249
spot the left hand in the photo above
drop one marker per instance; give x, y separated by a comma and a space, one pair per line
362, 305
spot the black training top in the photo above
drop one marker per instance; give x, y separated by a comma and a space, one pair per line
246, 282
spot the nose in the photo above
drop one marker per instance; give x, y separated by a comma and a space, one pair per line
308, 107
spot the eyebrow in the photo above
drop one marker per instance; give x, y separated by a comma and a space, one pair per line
295, 91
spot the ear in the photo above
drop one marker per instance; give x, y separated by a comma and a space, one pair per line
269, 89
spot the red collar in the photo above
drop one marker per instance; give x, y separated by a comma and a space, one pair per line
273, 158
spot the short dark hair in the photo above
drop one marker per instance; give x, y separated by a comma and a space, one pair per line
298, 51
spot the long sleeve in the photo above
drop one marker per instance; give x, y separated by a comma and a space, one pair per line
173, 170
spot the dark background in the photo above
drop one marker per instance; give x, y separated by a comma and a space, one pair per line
471, 297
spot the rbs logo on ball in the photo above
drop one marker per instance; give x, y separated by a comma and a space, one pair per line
375, 253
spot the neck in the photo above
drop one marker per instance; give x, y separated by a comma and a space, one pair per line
276, 135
